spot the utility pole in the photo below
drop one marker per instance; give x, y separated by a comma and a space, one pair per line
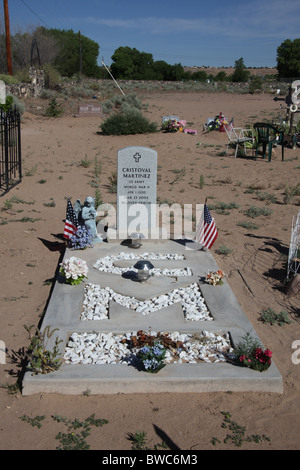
80, 54
7, 32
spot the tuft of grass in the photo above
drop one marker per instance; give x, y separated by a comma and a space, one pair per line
247, 225
270, 316
254, 212
223, 250
85, 162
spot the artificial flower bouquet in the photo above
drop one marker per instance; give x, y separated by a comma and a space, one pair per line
81, 239
258, 359
152, 357
74, 270
173, 126
214, 277
250, 353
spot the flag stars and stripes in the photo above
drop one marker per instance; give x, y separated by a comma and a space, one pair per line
70, 222
207, 232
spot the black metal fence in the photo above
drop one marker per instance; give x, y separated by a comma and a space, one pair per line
10, 139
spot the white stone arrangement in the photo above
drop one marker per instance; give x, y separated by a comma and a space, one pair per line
96, 302
106, 264
107, 348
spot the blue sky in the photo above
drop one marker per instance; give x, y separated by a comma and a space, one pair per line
191, 32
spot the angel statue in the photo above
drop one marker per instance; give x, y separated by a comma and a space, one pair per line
86, 215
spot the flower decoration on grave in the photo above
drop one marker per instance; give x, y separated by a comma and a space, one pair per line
258, 359
75, 270
152, 349
152, 357
215, 278
250, 353
81, 239
172, 125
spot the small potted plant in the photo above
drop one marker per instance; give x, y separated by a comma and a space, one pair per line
152, 357
74, 270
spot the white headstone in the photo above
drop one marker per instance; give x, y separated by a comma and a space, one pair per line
136, 191
170, 118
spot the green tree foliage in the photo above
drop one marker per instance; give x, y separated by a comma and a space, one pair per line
58, 48
288, 58
240, 73
67, 60
131, 64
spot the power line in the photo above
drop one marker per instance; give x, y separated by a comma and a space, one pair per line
35, 14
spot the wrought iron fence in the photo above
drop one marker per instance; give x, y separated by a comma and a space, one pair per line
10, 158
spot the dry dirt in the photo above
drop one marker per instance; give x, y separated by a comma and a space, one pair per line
53, 150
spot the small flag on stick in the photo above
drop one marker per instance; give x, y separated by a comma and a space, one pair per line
70, 222
206, 233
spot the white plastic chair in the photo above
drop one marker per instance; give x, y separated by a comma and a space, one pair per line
238, 136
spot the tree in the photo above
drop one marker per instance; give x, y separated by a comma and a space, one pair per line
68, 58
131, 64
288, 59
240, 73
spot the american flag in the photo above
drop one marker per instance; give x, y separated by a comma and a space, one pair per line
70, 222
206, 232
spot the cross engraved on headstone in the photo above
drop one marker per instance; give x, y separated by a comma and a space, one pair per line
137, 157
136, 192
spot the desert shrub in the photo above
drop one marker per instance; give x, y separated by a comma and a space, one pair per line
8, 79
52, 77
257, 211
126, 123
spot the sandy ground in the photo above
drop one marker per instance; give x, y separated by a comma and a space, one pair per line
53, 150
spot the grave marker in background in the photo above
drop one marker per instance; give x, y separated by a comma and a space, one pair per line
90, 110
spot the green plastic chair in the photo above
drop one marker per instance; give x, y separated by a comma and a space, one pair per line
268, 135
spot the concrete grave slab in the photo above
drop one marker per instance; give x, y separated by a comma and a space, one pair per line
64, 313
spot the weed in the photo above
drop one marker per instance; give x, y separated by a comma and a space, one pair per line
270, 316
223, 250
42, 181
11, 388
139, 441
49, 204
264, 196
113, 180
76, 441
201, 182
85, 162
238, 433
31, 171
222, 207
179, 175
98, 198
97, 167
247, 225
42, 361
290, 192
257, 211
36, 421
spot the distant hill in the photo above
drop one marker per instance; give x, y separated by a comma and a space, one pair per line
229, 70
